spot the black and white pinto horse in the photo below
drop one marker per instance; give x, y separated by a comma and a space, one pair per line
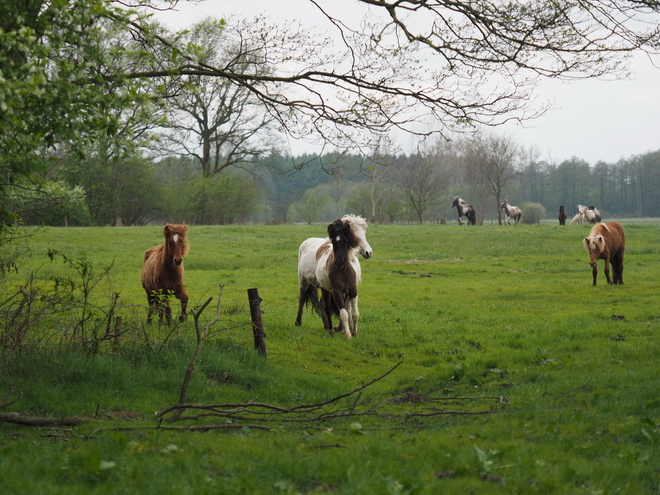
465, 210
597, 215
332, 265
511, 212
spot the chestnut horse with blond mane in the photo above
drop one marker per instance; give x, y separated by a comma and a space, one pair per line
162, 273
606, 242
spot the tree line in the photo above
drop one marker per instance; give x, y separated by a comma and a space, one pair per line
384, 188
107, 117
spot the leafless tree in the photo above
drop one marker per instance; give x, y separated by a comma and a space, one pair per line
311, 203
219, 123
492, 163
445, 63
423, 180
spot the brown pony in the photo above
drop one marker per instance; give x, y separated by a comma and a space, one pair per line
162, 273
562, 215
606, 241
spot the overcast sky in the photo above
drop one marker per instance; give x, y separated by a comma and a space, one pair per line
592, 119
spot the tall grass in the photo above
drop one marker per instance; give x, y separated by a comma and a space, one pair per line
500, 321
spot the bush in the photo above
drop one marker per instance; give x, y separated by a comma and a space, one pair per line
220, 200
532, 213
49, 203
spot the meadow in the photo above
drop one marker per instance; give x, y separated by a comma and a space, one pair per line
485, 362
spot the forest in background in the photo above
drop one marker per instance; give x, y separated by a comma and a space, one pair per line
111, 118
405, 188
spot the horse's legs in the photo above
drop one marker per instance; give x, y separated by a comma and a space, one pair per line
183, 297
300, 310
167, 311
617, 267
152, 302
607, 269
326, 310
345, 320
150, 308
594, 271
301, 302
459, 219
355, 314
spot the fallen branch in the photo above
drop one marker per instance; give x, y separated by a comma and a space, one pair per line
28, 421
263, 409
447, 413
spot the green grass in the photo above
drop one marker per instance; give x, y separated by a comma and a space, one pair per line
498, 320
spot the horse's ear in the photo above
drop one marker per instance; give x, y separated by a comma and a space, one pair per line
184, 230
166, 229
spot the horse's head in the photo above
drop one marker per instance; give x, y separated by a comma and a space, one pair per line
561, 208
595, 244
582, 209
175, 242
358, 227
455, 202
340, 235
504, 204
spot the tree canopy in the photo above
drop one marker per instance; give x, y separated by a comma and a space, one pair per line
73, 70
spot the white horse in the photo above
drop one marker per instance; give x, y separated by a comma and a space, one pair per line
578, 219
312, 274
587, 214
511, 212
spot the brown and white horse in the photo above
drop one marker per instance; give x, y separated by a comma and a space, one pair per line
332, 265
511, 212
464, 209
607, 242
163, 273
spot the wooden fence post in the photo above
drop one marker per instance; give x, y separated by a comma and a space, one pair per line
257, 323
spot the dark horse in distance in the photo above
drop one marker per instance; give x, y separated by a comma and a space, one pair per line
465, 210
562, 215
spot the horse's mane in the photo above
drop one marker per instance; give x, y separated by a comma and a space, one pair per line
596, 238
340, 225
355, 220
596, 241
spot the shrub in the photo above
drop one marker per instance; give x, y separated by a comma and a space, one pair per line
532, 213
49, 203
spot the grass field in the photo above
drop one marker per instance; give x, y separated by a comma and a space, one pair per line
508, 373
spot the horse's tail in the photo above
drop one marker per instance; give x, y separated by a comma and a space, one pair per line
472, 217
310, 298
